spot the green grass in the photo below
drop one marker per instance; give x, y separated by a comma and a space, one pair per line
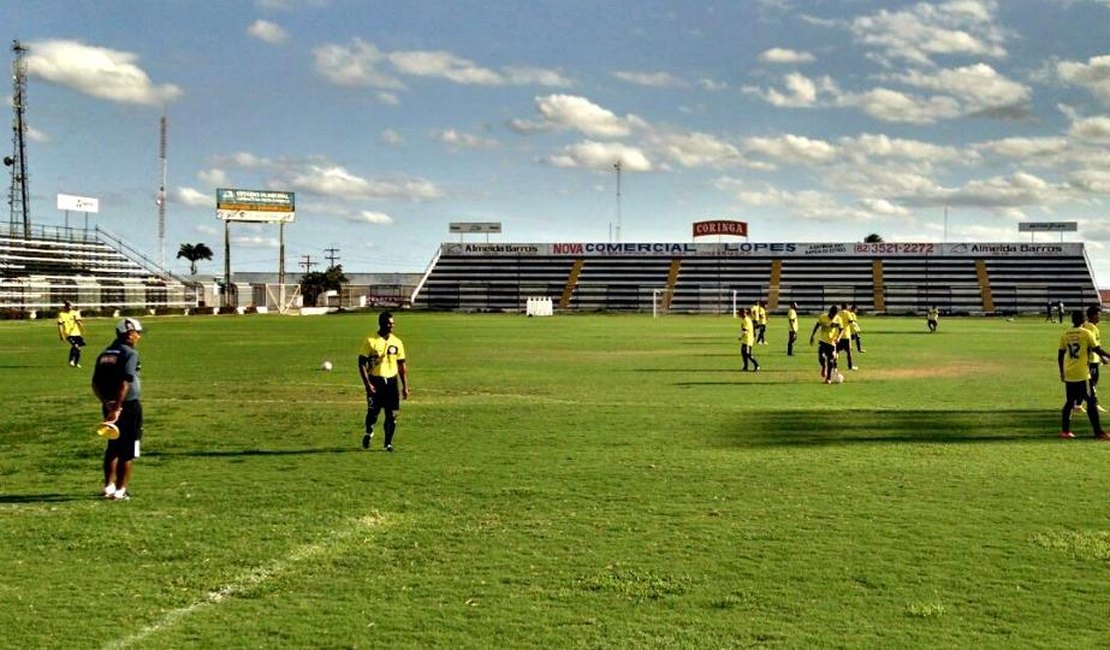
576, 481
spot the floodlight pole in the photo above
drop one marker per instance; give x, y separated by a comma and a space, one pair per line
224, 298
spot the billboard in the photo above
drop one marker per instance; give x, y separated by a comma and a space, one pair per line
720, 227
78, 203
765, 249
1048, 226
263, 206
474, 227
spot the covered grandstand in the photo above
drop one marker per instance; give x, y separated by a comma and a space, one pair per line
881, 277
95, 270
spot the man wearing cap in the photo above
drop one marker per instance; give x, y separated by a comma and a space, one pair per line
72, 330
115, 383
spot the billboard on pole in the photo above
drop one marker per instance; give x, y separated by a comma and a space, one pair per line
260, 206
1048, 226
78, 203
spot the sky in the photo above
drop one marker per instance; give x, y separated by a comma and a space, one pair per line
818, 121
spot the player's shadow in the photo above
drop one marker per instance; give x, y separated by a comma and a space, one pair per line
871, 427
244, 453
51, 497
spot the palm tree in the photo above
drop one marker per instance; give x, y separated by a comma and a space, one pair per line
194, 253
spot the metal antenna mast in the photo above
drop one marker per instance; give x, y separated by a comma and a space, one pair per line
617, 166
162, 195
17, 198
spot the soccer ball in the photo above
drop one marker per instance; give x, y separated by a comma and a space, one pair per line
838, 378
326, 365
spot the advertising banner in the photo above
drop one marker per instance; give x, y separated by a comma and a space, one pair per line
767, 249
487, 227
1048, 226
720, 227
265, 206
78, 203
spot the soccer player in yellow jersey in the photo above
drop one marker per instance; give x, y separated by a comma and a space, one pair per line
932, 318
72, 330
845, 343
761, 324
856, 329
792, 328
1076, 346
1094, 315
747, 339
826, 348
381, 364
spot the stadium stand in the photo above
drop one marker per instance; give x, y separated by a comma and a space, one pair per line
968, 278
91, 268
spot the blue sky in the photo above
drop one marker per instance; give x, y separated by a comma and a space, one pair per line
812, 121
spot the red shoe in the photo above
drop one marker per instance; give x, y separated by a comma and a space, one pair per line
1069, 434
1103, 436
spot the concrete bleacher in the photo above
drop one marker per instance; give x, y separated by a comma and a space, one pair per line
990, 278
91, 268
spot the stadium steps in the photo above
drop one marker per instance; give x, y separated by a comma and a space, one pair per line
985, 286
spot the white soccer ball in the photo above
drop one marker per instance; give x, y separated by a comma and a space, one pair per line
326, 365
838, 378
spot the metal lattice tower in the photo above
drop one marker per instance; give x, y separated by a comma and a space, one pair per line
17, 196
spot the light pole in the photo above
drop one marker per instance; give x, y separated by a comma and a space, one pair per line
617, 166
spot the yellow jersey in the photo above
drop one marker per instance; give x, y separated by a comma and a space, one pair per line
1076, 344
1096, 336
830, 328
792, 319
853, 323
934, 314
70, 322
845, 318
384, 355
747, 331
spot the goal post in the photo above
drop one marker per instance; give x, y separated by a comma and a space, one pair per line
657, 306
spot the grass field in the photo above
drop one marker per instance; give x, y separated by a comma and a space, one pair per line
576, 481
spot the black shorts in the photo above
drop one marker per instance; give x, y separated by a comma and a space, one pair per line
78, 341
130, 423
387, 393
825, 350
843, 344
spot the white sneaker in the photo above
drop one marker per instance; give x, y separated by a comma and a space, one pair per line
120, 495
108, 490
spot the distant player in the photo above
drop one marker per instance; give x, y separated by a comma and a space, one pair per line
72, 330
747, 340
1076, 346
381, 364
856, 329
844, 344
829, 325
761, 324
932, 318
792, 327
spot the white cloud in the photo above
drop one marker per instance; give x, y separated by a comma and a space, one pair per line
800, 91
254, 241
711, 84
894, 106
794, 149
651, 79
289, 5
601, 156
1092, 129
267, 31
921, 31
460, 140
367, 216
783, 55
192, 197
388, 98
213, 177
694, 149
363, 64
870, 146
357, 64
336, 181
579, 113
1093, 75
1031, 149
97, 72
1095, 181
391, 137
979, 87
35, 135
